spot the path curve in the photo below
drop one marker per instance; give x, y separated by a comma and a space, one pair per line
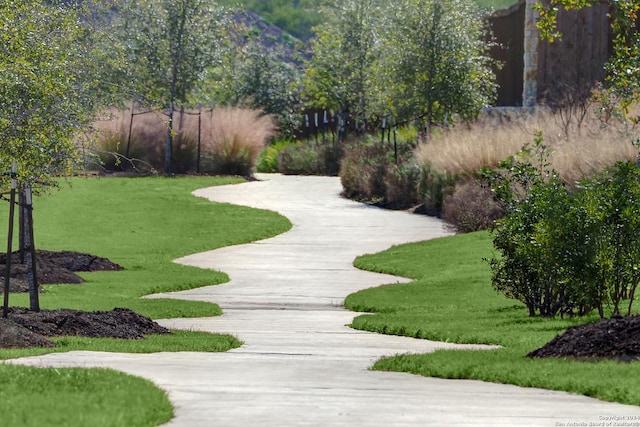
300, 365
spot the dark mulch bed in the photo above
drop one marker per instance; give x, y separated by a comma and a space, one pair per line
617, 339
25, 328
53, 268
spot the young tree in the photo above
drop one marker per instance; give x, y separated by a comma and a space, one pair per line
436, 61
339, 77
170, 44
258, 78
51, 82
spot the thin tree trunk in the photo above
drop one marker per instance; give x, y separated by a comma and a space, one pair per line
7, 270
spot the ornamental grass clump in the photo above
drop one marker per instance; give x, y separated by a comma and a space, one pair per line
578, 146
116, 150
234, 138
578, 149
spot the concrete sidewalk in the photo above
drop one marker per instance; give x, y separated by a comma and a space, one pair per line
300, 364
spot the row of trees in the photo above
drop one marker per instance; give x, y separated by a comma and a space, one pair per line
415, 58
412, 59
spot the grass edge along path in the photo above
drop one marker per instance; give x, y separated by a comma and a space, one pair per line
142, 224
451, 299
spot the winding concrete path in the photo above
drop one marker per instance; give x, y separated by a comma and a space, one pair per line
300, 365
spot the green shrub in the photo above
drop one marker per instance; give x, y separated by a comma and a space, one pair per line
268, 161
433, 188
564, 252
471, 207
309, 158
363, 171
401, 186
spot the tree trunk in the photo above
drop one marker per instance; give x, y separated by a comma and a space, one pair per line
7, 270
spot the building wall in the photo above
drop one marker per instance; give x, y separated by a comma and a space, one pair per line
567, 69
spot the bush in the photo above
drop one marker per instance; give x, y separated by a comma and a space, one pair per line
471, 207
363, 170
562, 251
230, 138
309, 158
268, 161
381, 172
143, 151
433, 188
401, 186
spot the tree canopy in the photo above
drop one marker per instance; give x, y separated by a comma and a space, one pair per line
415, 59
52, 78
170, 44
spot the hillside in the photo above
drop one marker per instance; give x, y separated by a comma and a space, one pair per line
297, 17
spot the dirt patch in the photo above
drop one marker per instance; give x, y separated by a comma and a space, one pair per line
617, 339
25, 328
52, 268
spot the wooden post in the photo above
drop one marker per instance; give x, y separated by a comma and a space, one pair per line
199, 139
133, 106
169, 145
34, 297
531, 46
7, 271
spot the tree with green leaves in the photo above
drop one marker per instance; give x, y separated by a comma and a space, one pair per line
258, 78
435, 60
339, 77
53, 71
170, 44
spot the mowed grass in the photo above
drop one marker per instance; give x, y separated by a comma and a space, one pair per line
452, 300
142, 224
79, 397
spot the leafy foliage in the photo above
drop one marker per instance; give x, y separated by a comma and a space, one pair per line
563, 252
340, 75
257, 78
169, 46
435, 62
53, 74
413, 59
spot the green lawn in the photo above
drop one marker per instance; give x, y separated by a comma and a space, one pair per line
142, 224
452, 300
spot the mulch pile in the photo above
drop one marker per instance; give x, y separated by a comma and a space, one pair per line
617, 338
53, 268
25, 328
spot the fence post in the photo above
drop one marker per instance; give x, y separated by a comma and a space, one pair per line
133, 105
199, 139
34, 298
7, 271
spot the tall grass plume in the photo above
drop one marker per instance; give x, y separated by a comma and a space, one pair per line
578, 149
